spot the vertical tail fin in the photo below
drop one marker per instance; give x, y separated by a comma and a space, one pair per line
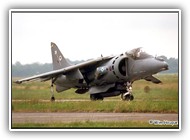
58, 59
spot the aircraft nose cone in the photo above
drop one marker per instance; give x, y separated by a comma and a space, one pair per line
165, 66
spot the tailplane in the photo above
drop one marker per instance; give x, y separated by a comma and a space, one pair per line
58, 59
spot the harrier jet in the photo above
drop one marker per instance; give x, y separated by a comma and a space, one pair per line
102, 77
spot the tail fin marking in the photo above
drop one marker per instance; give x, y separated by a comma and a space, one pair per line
58, 59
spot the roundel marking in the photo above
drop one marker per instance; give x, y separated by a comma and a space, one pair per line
60, 58
102, 69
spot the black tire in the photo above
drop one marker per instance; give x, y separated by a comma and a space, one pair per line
127, 97
131, 98
100, 98
52, 99
94, 97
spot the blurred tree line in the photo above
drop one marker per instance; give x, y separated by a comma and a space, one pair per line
19, 70
172, 63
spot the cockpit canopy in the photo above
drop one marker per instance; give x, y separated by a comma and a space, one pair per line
138, 53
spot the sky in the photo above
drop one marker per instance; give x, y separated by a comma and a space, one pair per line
82, 36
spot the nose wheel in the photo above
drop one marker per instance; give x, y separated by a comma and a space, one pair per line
128, 96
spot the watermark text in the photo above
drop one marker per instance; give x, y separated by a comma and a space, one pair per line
163, 122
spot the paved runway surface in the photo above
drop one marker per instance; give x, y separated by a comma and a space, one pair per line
84, 100
73, 117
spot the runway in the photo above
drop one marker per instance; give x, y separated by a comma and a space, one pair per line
74, 117
84, 100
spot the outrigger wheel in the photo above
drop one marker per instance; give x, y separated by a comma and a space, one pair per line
52, 99
52, 93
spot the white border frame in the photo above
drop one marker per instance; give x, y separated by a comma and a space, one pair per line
114, 10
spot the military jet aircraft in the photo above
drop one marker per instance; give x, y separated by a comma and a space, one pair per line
104, 76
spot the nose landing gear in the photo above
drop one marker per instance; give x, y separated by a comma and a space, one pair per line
127, 96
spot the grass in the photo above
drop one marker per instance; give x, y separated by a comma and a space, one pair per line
97, 106
159, 98
95, 125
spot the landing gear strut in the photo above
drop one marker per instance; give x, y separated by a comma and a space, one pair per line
128, 96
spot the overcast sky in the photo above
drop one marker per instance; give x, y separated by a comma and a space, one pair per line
81, 36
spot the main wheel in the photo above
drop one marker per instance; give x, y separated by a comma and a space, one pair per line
100, 98
92, 97
127, 97
95, 97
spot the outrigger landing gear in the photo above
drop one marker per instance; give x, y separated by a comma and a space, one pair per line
52, 93
128, 96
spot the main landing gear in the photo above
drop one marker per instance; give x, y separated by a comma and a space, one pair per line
94, 97
127, 96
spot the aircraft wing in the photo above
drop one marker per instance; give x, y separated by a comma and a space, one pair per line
153, 79
55, 73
